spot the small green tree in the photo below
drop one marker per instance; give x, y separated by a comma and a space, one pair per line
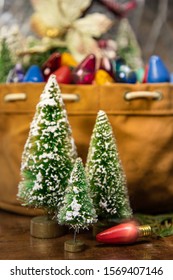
77, 210
105, 174
6, 63
49, 152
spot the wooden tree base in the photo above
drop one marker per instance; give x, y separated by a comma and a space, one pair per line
44, 227
74, 246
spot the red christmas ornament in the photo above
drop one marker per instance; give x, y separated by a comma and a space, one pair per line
125, 233
88, 64
83, 78
145, 74
84, 73
63, 75
52, 64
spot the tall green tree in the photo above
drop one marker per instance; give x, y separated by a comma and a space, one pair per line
78, 209
105, 173
49, 152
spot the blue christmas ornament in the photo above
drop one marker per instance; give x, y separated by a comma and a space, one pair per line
131, 77
120, 77
157, 71
33, 75
125, 75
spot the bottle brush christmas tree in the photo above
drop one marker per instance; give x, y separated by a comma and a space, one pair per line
77, 210
105, 173
49, 153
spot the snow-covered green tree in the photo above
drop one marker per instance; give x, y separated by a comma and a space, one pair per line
49, 153
105, 173
78, 209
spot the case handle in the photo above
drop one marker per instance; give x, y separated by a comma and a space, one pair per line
142, 94
23, 96
14, 97
75, 97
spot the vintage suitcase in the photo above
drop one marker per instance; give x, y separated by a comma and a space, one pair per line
141, 116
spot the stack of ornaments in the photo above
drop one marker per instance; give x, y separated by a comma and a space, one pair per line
90, 71
107, 61
54, 179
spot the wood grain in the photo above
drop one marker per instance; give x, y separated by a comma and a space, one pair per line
16, 243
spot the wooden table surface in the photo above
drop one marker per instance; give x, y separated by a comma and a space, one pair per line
16, 243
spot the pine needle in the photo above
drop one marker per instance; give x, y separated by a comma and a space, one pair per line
162, 225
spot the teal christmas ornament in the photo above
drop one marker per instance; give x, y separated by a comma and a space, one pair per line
140, 74
157, 71
117, 63
34, 75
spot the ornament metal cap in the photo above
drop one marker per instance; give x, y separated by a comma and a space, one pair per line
125, 233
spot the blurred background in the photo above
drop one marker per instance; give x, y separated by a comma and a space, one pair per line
151, 21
